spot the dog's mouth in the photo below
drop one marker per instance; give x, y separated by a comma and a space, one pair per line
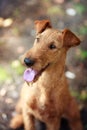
32, 75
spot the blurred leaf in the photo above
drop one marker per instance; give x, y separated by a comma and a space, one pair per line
83, 54
20, 70
18, 67
75, 94
16, 12
3, 74
80, 8
83, 96
55, 10
46, 1
2, 42
80, 96
83, 30
15, 31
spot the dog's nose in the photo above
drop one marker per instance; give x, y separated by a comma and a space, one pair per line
29, 62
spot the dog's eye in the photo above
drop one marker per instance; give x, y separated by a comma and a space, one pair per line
52, 46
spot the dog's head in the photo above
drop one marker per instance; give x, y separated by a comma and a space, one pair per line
49, 46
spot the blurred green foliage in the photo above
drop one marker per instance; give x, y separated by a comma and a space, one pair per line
55, 10
80, 96
18, 68
83, 54
4, 74
83, 30
15, 68
16, 31
16, 12
80, 8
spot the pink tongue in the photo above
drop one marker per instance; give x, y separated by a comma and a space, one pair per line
29, 75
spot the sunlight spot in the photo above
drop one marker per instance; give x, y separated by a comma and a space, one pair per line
70, 75
7, 22
71, 11
3, 92
15, 63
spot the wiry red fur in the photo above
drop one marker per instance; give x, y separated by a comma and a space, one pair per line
48, 97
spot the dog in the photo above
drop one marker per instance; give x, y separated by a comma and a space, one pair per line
45, 94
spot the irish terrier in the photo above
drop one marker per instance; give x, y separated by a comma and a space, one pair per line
45, 95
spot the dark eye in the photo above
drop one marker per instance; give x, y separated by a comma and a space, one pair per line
52, 46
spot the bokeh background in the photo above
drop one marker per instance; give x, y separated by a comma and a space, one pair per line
17, 35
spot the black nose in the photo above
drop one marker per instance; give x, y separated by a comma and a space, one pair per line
29, 62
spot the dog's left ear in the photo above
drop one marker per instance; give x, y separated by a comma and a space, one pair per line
69, 39
41, 25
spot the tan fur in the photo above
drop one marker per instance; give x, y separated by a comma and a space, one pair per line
47, 98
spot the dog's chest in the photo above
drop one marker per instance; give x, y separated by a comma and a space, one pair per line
42, 108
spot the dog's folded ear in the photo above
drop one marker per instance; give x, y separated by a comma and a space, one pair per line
69, 39
41, 25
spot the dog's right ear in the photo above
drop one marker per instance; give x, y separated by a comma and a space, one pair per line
69, 38
41, 25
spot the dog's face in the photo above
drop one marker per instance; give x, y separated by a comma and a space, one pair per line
49, 46
45, 51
